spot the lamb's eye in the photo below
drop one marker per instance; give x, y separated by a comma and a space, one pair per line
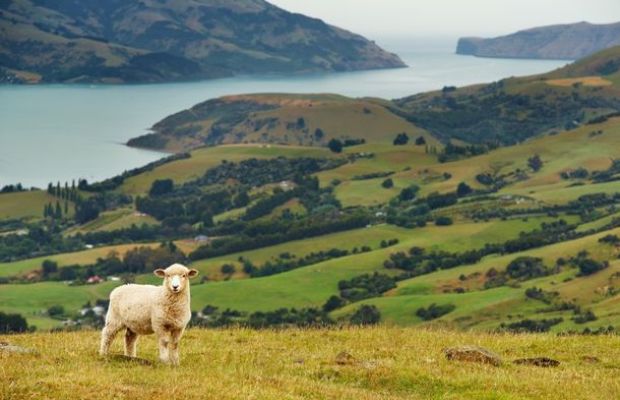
184, 275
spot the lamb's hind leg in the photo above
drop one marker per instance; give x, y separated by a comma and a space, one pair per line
130, 343
107, 336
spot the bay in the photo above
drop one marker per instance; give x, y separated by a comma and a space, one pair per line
52, 133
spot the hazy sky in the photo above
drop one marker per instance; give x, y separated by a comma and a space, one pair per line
385, 18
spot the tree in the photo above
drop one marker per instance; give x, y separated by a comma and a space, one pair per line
319, 134
408, 193
49, 267
463, 189
535, 163
161, 186
335, 145
86, 211
58, 211
420, 141
388, 183
366, 315
401, 139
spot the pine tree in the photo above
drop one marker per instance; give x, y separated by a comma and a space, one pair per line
50, 188
58, 212
66, 191
58, 189
66, 207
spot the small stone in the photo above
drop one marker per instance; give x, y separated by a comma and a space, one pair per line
544, 362
344, 358
591, 359
472, 354
9, 348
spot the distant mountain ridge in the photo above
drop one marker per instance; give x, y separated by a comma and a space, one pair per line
120, 41
568, 41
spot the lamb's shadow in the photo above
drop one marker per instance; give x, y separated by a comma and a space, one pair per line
128, 360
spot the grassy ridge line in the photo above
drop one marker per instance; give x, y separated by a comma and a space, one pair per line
389, 363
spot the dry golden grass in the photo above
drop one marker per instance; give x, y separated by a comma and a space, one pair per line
388, 363
584, 80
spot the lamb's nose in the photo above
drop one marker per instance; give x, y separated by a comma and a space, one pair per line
175, 287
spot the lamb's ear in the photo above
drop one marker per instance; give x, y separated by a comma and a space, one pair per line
160, 273
192, 273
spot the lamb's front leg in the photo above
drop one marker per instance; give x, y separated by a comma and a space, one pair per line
175, 338
164, 342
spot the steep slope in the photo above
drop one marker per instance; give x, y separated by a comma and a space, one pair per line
515, 109
153, 41
570, 41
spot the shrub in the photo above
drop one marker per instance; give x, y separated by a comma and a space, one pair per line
388, 183
12, 323
587, 266
434, 311
530, 325
366, 315
463, 189
401, 139
524, 268
335, 145
443, 221
333, 303
55, 310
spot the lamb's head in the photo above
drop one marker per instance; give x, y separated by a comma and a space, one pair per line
176, 277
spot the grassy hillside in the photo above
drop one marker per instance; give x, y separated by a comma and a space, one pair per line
509, 111
310, 120
392, 363
24, 204
151, 41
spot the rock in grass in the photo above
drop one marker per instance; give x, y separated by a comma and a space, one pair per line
344, 358
544, 362
472, 354
9, 348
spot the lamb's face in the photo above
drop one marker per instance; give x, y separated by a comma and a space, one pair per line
176, 277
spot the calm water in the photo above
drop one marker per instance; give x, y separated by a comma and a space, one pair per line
63, 132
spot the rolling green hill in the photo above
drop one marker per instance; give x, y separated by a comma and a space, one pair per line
416, 229
506, 112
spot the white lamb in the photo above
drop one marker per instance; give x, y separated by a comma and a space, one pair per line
145, 309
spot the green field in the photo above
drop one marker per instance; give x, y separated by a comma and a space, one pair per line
204, 158
81, 258
26, 204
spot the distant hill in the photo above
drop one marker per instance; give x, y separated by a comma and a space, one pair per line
120, 41
570, 41
504, 112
